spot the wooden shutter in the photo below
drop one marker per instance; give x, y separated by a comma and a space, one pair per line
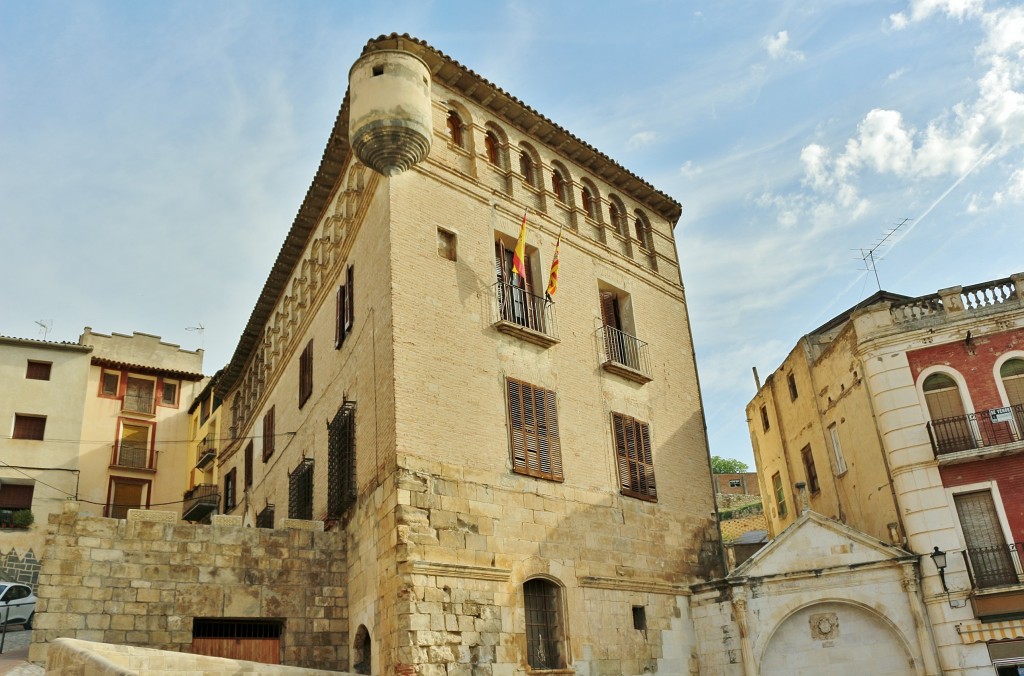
38, 370
248, 463
29, 427
533, 423
268, 434
350, 305
634, 458
306, 373
339, 317
983, 534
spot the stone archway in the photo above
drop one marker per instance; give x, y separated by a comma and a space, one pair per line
838, 638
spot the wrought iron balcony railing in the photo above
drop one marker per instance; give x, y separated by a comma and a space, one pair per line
138, 403
981, 429
200, 501
133, 456
624, 350
995, 566
517, 308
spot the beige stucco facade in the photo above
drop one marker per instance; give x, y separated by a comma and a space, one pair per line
444, 531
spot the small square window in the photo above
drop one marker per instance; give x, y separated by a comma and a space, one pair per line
109, 383
38, 370
735, 483
29, 427
446, 244
170, 393
639, 618
378, 70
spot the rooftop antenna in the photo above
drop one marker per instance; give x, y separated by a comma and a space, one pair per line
867, 256
200, 328
44, 326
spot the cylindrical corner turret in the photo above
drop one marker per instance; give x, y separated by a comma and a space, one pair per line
389, 110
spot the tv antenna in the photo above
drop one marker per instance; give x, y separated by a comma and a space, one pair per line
867, 256
200, 328
44, 326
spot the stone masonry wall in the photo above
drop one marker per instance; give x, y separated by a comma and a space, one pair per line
141, 581
23, 568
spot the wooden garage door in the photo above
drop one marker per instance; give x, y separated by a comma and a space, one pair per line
252, 640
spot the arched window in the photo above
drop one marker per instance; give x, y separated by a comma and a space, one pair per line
589, 202
544, 635
617, 215
1012, 375
643, 230
361, 649
455, 128
493, 147
528, 166
949, 425
559, 187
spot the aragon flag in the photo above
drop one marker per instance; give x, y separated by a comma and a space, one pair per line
519, 256
553, 277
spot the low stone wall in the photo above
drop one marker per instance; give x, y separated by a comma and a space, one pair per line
71, 657
142, 582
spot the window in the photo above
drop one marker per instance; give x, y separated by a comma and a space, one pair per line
615, 217
125, 494
533, 427
38, 370
345, 309
14, 497
620, 345
1012, 375
809, 470
517, 301
542, 599
455, 128
949, 426
528, 166
559, 186
306, 374
169, 393
793, 394
589, 203
633, 456
983, 534
300, 491
493, 147
764, 419
29, 426
643, 232
341, 460
138, 395
780, 494
735, 483
204, 411
446, 244
265, 517
110, 383
248, 464
639, 618
837, 448
229, 490
268, 434
133, 446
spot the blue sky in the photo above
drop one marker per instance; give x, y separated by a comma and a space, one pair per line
155, 154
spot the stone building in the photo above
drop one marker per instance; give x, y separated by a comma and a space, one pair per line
523, 483
903, 418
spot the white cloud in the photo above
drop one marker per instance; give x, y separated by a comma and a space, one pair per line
640, 140
690, 170
1014, 191
922, 9
896, 75
778, 47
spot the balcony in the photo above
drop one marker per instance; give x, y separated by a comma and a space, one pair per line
524, 315
138, 403
199, 502
206, 454
132, 456
996, 577
624, 355
994, 431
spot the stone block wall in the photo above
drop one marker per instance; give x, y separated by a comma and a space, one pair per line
143, 580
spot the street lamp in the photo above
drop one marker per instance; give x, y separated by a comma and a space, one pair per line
939, 559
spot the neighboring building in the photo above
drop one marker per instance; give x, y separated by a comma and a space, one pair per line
903, 417
524, 484
741, 483
135, 431
42, 392
202, 498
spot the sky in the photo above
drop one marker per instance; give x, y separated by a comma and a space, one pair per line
153, 155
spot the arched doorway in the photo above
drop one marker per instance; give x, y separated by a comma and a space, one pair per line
837, 638
362, 651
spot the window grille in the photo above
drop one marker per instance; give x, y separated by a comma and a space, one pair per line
265, 517
633, 456
300, 491
543, 624
341, 460
209, 627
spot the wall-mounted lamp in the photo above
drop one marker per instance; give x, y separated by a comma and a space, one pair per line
939, 559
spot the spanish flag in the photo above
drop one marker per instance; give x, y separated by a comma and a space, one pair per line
553, 277
519, 257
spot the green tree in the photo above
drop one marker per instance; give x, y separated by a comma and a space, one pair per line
720, 465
